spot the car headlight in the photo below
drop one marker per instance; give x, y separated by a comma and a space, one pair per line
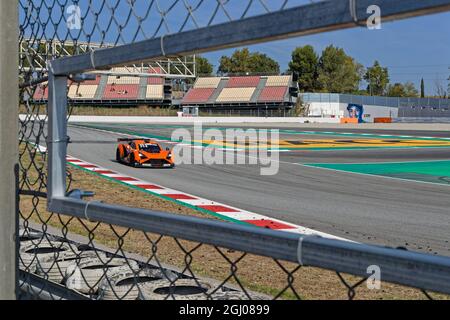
141, 155
169, 156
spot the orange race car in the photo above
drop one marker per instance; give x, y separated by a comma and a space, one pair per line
144, 153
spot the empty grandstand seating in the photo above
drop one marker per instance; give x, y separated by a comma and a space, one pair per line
122, 91
119, 89
41, 92
273, 94
155, 92
236, 95
155, 81
243, 82
211, 83
123, 80
82, 91
251, 91
195, 95
73, 92
93, 82
278, 81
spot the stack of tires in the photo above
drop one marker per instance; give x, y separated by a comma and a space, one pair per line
130, 285
35, 252
102, 276
180, 289
86, 276
53, 267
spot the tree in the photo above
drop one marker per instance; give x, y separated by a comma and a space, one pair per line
396, 90
410, 90
338, 72
204, 68
261, 63
242, 61
377, 78
304, 62
440, 88
407, 90
422, 88
238, 62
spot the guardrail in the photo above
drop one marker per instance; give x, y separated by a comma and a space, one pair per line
398, 266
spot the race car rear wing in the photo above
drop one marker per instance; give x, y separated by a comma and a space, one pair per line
132, 139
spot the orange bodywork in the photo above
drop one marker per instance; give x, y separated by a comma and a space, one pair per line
144, 153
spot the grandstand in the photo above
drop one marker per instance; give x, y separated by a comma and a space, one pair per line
119, 86
246, 92
125, 87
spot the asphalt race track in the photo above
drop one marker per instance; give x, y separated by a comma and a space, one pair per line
411, 212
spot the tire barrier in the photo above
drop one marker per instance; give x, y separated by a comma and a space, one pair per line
35, 251
54, 268
181, 289
129, 285
28, 235
104, 277
86, 276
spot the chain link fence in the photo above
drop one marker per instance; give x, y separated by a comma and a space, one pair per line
72, 249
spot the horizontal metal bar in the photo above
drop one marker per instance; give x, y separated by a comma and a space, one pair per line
239, 237
35, 286
308, 19
33, 83
397, 266
33, 193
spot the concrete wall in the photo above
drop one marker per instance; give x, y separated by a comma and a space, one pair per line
152, 120
324, 104
371, 112
200, 119
325, 109
339, 110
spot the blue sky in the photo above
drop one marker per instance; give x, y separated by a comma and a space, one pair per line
413, 48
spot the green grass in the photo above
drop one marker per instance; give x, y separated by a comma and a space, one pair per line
426, 171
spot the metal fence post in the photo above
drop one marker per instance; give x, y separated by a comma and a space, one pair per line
9, 102
57, 135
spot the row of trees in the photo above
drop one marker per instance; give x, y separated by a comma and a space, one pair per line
335, 71
331, 71
240, 62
